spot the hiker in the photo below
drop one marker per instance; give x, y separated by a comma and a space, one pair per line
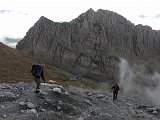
38, 72
115, 89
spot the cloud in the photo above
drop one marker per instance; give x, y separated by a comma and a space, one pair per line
14, 24
142, 16
134, 79
4, 11
157, 16
22, 13
11, 42
10, 11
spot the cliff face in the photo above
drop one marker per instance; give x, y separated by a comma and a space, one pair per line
91, 44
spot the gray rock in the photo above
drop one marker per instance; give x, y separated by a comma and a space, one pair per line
22, 104
4, 116
30, 105
66, 93
155, 112
90, 44
7, 96
100, 96
32, 111
151, 109
90, 94
57, 90
77, 106
88, 102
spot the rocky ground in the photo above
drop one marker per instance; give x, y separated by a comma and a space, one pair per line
55, 102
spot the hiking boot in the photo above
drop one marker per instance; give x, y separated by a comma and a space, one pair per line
37, 91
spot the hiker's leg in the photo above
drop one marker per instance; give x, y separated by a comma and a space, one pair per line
113, 96
116, 95
37, 81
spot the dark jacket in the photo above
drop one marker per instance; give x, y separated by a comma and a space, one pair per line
37, 71
115, 88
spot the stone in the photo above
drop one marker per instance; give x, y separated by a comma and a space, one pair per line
57, 90
155, 112
30, 105
32, 111
9, 96
100, 96
22, 104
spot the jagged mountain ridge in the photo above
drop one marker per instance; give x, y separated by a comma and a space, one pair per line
91, 44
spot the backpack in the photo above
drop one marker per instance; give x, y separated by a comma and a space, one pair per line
36, 70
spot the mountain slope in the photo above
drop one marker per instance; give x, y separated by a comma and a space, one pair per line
15, 66
91, 44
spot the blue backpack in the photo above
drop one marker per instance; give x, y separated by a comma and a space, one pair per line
37, 70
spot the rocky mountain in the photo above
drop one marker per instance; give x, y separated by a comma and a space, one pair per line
91, 44
55, 102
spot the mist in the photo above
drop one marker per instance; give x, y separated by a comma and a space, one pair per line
134, 79
10, 41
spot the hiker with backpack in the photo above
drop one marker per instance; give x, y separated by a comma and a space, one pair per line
38, 72
115, 89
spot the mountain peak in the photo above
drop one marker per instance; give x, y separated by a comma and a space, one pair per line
45, 20
90, 10
95, 37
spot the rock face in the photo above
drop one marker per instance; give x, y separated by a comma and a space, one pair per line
91, 44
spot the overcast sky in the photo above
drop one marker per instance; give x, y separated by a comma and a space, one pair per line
17, 16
